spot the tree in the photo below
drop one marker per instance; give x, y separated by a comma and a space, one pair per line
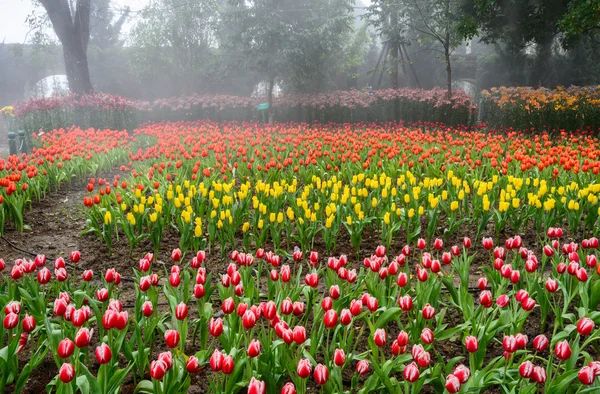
176, 39
294, 42
433, 24
104, 33
71, 23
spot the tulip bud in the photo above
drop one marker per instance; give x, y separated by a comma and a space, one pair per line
321, 374
103, 354
380, 337
471, 344
181, 311
339, 357
172, 338
28, 323
83, 337
253, 348
193, 365
330, 318
562, 350
362, 367
65, 348
462, 373
66, 373
427, 335
158, 369
411, 372
585, 326
256, 386
452, 384
304, 368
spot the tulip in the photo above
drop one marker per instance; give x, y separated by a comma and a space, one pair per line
327, 303
334, 292
526, 369
585, 326
193, 365
405, 303
562, 350
228, 306
75, 256
428, 311
509, 343
253, 348
462, 373
427, 335
540, 343
83, 337
172, 338
181, 311
249, 320
471, 344
485, 298
330, 319
299, 335
380, 251
345, 317
66, 373
521, 295
339, 357
421, 244
13, 307
411, 372
65, 348
147, 308
380, 337
216, 361
288, 388
228, 365
256, 386
103, 354
158, 369
452, 384
362, 367
312, 280
586, 375
502, 301
321, 374
304, 368
298, 308
176, 255
438, 244
11, 320
28, 323
488, 243
539, 375
402, 279
372, 303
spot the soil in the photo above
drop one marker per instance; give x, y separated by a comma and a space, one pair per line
54, 229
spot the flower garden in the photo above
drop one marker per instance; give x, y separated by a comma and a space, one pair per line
229, 256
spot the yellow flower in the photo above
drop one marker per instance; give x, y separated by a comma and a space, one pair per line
153, 217
386, 218
131, 218
349, 220
454, 205
261, 224
107, 218
198, 231
245, 227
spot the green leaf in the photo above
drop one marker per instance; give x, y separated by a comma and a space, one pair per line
387, 315
145, 386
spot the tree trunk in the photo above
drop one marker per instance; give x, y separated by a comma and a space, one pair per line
448, 72
270, 99
76, 67
394, 50
72, 27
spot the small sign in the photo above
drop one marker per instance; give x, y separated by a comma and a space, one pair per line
263, 106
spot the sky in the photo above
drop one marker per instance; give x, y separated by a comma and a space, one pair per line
14, 28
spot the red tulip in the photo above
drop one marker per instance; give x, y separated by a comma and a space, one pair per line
299, 334
585, 326
345, 317
176, 255
228, 365
172, 338
462, 373
502, 301
380, 337
526, 369
11, 320
539, 375
193, 365
256, 386
562, 350
181, 311
158, 369
83, 337
438, 244
103, 354
540, 343
485, 298
427, 336
216, 361
405, 303
253, 348
488, 243
75, 256
471, 344
312, 280
362, 367
421, 244
380, 251
330, 319
428, 311
334, 292
65, 348
147, 308
339, 357
586, 375
66, 373
509, 343
13, 307
551, 285
411, 372
249, 320
288, 388
321, 374
28, 323
452, 384
304, 368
